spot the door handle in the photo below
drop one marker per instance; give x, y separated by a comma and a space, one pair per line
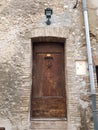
48, 58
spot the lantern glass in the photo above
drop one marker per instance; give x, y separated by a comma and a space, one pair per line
48, 12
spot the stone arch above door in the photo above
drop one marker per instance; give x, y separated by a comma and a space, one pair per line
50, 34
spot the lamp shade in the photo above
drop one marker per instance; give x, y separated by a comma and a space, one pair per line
48, 12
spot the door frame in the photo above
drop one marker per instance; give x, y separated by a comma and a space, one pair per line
49, 39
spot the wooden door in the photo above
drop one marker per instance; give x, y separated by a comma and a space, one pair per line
48, 90
2, 128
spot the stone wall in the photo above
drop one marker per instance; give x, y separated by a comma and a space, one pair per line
22, 20
93, 17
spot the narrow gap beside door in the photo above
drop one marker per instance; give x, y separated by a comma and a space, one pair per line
48, 89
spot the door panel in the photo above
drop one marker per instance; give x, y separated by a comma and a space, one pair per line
48, 107
48, 90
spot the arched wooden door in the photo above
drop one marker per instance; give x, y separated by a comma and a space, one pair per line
48, 89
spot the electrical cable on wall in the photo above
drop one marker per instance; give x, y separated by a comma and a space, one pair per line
75, 6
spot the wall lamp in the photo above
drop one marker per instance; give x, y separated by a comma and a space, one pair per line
48, 13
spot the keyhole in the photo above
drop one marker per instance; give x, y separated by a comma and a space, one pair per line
49, 65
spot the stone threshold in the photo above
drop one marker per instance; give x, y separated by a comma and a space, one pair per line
48, 119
